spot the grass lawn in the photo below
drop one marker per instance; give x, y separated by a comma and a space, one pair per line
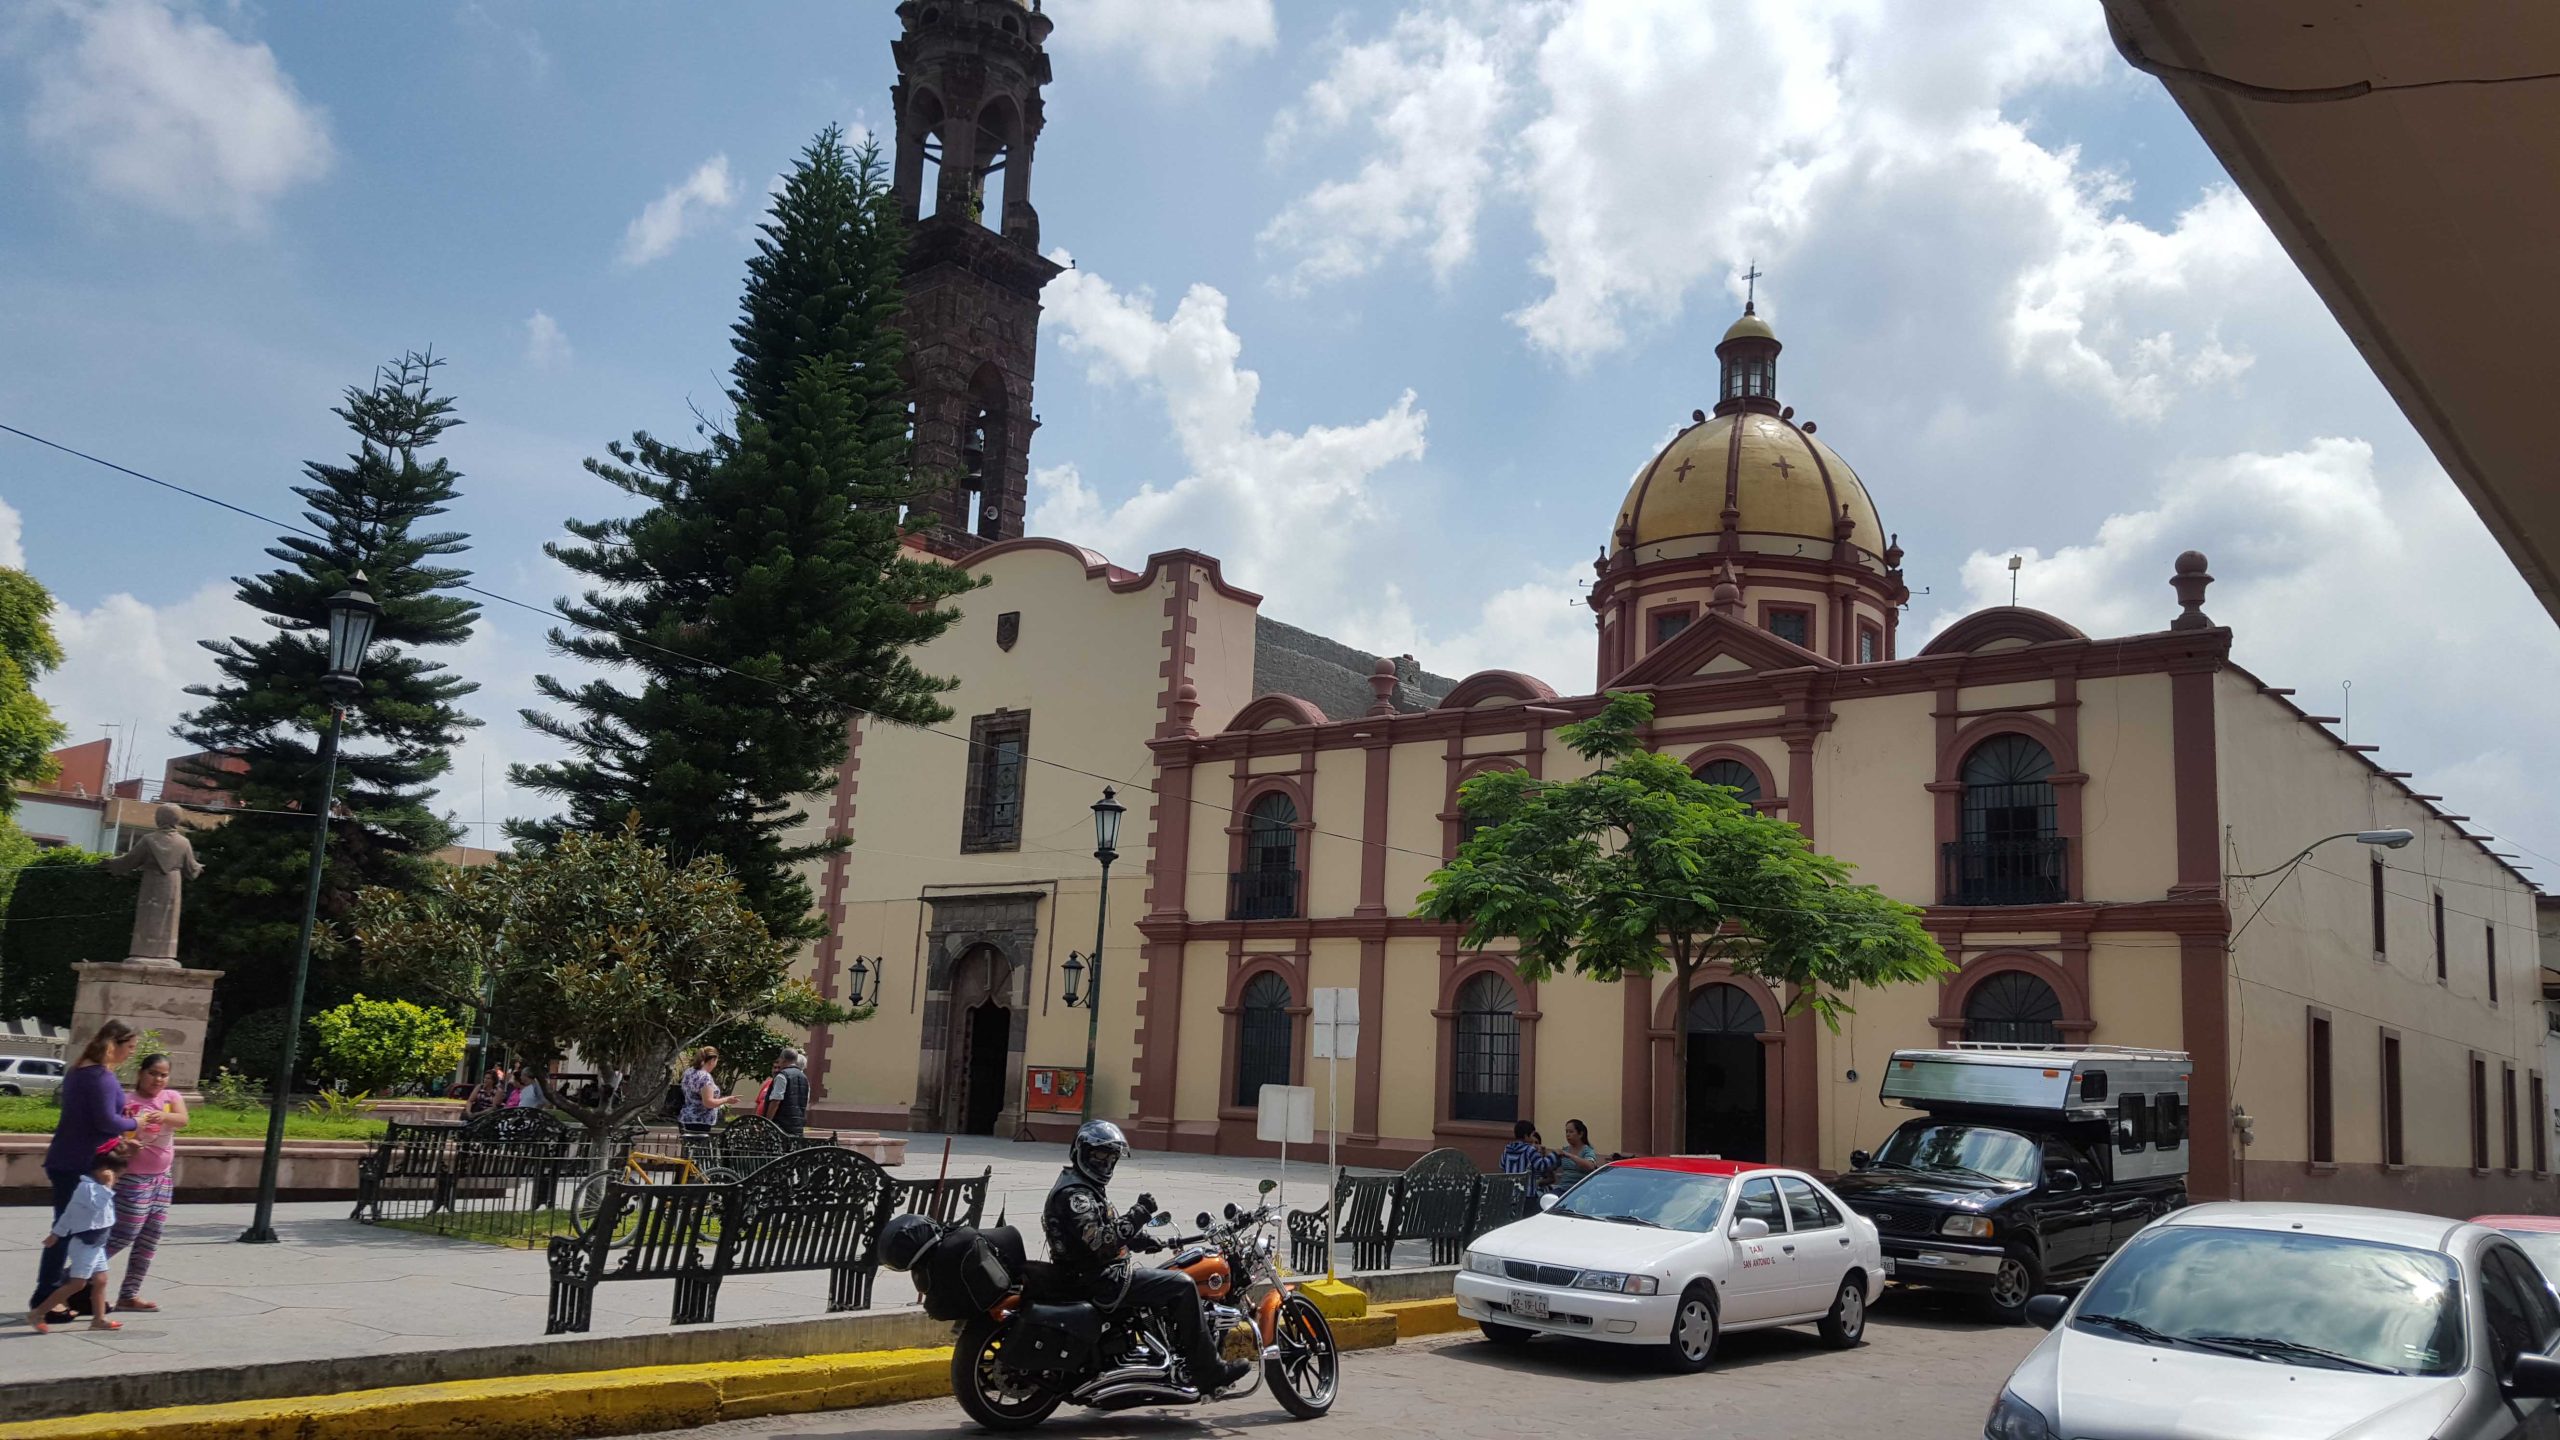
35, 1115
516, 1230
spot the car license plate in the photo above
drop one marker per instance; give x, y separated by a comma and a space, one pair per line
1528, 1306
1888, 1265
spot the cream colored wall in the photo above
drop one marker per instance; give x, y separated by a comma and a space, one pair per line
2129, 808
2133, 991
1873, 808
1581, 1036
1341, 795
1199, 1077
1852, 1118
1408, 1039
1085, 667
2285, 784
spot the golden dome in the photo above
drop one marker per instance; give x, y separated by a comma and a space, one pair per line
1749, 327
1781, 480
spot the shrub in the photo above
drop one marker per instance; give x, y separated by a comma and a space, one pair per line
63, 910
234, 1091
253, 1045
382, 1045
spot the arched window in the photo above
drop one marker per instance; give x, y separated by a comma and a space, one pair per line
2013, 1008
1722, 1009
2011, 853
1733, 775
1484, 1083
1266, 1038
1267, 887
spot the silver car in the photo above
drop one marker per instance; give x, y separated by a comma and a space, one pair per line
2254, 1322
28, 1075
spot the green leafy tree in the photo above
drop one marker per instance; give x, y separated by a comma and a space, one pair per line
66, 909
28, 731
377, 1046
599, 943
373, 514
761, 600
1641, 867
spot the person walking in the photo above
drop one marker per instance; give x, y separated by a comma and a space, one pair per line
79, 1236
143, 1192
703, 1101
92, 1117
786, 1095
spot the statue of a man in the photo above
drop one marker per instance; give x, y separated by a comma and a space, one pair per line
166, 862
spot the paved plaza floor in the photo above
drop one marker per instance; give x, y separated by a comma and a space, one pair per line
334, 1288
1927, 1372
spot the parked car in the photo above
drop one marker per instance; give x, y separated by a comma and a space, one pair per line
1672, 1253
29, 1075
2028, 1166
2538, 1236
2260, 1320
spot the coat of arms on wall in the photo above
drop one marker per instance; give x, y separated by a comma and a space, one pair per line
1008, 629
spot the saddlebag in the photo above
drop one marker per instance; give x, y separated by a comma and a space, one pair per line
1052, 1339
962, 1276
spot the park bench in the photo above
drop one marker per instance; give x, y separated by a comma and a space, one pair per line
431, 1167
1500, 1199
1361, 1208
419, 1155
1436, 1202
961, 1201
817, 1208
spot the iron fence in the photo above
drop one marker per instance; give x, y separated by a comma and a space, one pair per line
1262, 895
2029, 871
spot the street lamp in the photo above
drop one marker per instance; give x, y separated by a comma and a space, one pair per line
1106, 848
2391, 839
858, 980
1075, 978
352, 613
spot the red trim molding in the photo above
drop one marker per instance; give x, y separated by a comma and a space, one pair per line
840, 815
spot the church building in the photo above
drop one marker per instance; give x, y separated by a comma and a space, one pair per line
2095, 827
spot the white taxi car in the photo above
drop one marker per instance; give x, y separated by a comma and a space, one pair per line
1673, 1252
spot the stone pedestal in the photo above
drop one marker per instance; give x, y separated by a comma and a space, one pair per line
152, 996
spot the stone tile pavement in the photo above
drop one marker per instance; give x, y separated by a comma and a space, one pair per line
335, 1289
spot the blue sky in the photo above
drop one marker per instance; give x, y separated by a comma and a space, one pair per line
1383, 302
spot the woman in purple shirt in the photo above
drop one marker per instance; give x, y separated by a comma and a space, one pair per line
92, 1115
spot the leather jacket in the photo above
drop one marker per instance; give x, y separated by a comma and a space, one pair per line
1088, 1243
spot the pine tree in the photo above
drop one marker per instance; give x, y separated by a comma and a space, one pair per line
763, 599
269, 708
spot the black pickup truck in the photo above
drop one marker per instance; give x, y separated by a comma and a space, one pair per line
2001, 1203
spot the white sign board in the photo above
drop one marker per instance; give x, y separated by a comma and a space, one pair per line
1287, 1115
1336, 1022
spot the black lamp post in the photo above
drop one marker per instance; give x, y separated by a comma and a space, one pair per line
352, 613
1106, 848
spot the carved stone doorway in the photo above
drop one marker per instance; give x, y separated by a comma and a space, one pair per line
977, 1012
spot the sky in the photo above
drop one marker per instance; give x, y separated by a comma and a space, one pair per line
1382, 302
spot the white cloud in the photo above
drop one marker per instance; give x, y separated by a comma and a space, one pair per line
1433, 90
545, 344
686, 207
127, 664
13, 534
152, 103
1179, 43
2331, 569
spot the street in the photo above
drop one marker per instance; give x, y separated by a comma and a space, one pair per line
1927, 1372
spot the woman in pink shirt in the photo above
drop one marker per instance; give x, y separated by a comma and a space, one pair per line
142, 1195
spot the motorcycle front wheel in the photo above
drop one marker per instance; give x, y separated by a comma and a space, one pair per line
1306, 1372
992, 1392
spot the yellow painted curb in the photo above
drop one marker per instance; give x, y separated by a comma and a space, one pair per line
1336, 1299
612, 1402
1427, 1317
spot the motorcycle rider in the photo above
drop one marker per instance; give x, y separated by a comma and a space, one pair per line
1090, 1246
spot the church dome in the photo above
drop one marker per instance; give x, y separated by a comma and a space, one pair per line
1749, 465
1779, 480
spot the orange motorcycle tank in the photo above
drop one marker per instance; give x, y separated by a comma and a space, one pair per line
1212, 1274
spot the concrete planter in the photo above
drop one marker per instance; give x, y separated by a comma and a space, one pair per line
207, 1171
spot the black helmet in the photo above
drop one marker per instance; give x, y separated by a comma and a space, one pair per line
904, 1240
1098, 1149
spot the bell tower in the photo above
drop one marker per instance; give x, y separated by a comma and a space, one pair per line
969, 113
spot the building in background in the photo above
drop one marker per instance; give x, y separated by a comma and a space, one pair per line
2078, 817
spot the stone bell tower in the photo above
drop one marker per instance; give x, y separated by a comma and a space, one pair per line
969, 113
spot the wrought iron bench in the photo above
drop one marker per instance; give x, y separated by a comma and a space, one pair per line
818, 1208
406, 1152
955, 1201
1360, 1209
1436, 1202
1500, 1199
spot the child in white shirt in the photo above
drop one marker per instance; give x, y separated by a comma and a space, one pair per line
84, 1225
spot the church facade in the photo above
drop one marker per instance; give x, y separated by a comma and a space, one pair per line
2084, 821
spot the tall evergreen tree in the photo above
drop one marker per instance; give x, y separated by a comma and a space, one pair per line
269, 708
762, 600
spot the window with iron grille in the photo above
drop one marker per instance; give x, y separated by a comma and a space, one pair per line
1669, 623
2011, 852
2394, 1150
1267, 887
1792, 624
1266, 1038
2440, 935
999, 753
2479, 1112
2013, 1008
2324, 1145
2379, 933
2540, 1119
1870, 644
1485, 1082
2507, 1111
2489, 938
1733, 775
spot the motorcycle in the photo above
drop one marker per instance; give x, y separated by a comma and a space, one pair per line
1028, 1344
